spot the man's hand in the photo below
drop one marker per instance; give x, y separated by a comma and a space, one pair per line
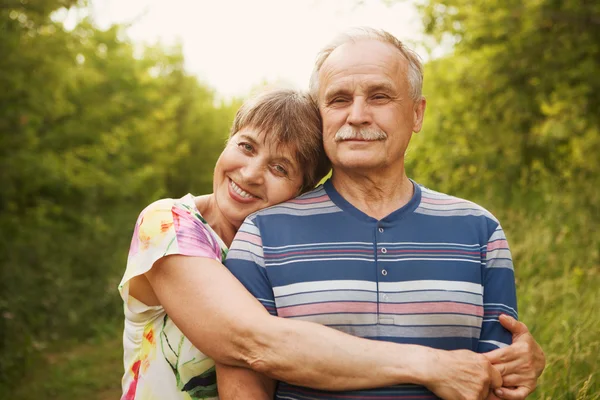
520, 364
462, 375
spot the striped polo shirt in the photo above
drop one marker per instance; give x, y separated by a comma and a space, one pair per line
437, 272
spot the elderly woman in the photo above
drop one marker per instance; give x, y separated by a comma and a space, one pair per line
183, 309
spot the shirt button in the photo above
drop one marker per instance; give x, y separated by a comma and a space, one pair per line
384, 250
383, 272
380, 230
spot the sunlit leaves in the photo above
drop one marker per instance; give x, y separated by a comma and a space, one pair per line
92, 129
513, 123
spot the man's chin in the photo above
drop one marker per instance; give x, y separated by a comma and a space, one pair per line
358, 163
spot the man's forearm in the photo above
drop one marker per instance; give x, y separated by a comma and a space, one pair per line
243, 383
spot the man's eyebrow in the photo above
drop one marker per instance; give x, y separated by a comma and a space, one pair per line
381, 87
375, 87
336, 90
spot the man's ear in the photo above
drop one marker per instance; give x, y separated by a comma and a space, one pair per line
419, 114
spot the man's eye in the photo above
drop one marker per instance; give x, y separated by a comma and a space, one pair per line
338, 100
380, 96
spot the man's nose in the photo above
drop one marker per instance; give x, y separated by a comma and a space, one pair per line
359, 112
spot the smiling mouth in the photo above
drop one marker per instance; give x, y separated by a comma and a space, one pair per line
241, 191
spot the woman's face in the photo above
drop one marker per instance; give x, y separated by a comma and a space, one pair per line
251, 174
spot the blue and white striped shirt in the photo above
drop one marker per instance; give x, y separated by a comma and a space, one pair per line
437, 272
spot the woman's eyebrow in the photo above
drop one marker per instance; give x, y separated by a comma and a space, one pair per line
286, 161
249, 139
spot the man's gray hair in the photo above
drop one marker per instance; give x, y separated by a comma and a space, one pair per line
415, 68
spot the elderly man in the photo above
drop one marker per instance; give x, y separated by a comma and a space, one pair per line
374, 254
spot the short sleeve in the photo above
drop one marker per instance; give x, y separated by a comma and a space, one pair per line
166, 227
246, 262
499, 296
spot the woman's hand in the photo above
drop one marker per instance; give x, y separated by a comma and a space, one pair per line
520, 364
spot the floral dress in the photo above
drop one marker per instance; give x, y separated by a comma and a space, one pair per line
160, 362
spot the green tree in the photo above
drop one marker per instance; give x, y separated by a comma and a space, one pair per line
513, 123
90, 133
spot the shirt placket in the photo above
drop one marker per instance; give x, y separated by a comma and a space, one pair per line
382, 273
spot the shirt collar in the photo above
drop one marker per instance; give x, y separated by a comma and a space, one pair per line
391, 218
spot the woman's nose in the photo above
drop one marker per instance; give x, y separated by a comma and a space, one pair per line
253, 173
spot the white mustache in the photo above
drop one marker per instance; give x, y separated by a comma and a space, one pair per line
347, 132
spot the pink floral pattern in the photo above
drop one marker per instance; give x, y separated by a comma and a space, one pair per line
161, 362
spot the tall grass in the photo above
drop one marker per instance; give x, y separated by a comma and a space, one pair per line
558, 284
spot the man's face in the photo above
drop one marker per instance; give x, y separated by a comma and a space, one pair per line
368, 114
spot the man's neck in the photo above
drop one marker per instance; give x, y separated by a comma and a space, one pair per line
375, 193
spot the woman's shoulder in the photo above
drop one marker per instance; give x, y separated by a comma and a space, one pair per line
167, 205
164, 220
164, 213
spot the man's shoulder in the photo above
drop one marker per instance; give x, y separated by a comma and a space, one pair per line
315, 202
444, 205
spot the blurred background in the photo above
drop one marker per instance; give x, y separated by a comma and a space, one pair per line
106, 106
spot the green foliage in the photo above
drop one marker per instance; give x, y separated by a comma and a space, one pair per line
513, 124
90, 370
92, 130
90, 133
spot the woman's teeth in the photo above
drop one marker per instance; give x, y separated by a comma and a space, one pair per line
240, 191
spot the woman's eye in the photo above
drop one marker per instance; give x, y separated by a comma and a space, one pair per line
246, 146
280, 170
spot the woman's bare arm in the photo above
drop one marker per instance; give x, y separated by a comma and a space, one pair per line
227, 323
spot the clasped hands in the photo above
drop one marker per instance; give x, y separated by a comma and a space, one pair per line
509, 373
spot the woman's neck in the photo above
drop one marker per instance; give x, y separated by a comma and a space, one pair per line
210, 212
